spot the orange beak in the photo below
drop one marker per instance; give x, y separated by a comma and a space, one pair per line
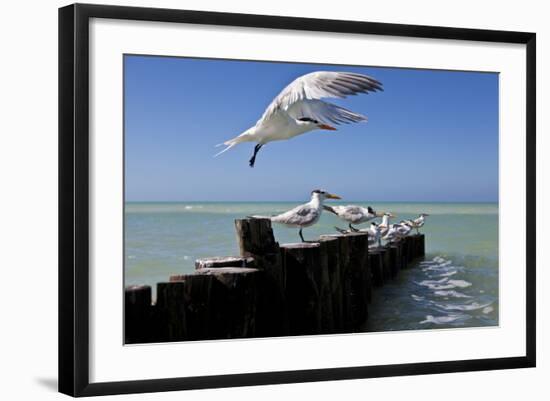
327, 127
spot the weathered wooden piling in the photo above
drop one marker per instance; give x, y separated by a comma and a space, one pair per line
386, 263
137, 314
212, 303
256, 240
331, 252
304, 276
405, 258
170, 311
394, 259
359, 278
270, 289
330, 270
410, 249
420, 245
343, 309
376, 265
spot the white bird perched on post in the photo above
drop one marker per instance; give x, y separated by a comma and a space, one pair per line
374, 234
418, 222
385, 224
304, 215
298, 108
397, 231
404, 228
353, 214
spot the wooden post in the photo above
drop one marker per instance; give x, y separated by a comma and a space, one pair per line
386, 263
401, 260
255, 237
170, 311
137, 314
343, 317
331, 286
256, 240
335, 246
404, 253
237, 291
421, 245
417, 241
375, 261
360, 276
395, 259
217, 303
303, 268
410, 250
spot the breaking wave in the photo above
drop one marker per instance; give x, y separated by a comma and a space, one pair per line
449, 298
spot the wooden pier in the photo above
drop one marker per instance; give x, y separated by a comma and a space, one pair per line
270, 290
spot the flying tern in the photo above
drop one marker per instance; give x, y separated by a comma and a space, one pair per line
298, 108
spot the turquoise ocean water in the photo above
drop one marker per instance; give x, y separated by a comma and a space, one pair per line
456, 285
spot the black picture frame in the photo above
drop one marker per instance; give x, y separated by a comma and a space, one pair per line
74, 198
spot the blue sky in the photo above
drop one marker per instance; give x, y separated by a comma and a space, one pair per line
431, 135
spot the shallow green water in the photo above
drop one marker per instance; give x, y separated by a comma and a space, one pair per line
455, 286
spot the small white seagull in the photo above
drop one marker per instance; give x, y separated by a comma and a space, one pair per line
397, 231
304, 215
353, 214
385, 224
298, 108
418, 222
404, 228
374, 234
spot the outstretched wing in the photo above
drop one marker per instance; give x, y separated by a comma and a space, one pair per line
321, 84
323, 112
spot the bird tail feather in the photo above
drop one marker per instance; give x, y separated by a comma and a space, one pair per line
329, 209
224, 150
244, 137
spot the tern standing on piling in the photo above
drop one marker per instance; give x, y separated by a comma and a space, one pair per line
385, 224
304, 215
397, 231
298, 108
374, 234
353, 214
418, 222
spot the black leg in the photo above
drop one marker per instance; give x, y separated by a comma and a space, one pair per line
253, 158
353, 228
301, 235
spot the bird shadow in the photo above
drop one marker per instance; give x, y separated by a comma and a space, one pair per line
48, 382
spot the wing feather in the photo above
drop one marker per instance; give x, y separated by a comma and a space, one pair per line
321, 84
324, 112
300, 215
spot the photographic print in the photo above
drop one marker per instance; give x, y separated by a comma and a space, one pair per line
271, 199
291, 196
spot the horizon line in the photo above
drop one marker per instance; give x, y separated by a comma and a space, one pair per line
302, 200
